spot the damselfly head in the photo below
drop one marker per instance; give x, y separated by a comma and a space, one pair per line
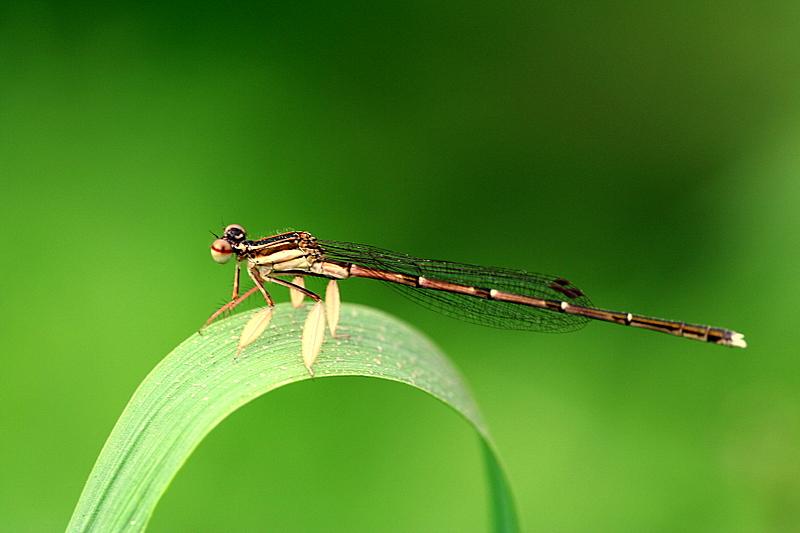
221, 251
234, 233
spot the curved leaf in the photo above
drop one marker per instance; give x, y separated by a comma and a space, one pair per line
200, 383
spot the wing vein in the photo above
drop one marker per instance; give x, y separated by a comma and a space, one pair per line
482, 311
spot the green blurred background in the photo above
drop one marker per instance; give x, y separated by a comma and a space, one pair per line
648, 152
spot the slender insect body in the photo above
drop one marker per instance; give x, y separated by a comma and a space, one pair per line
491, 296
291, 266
330, 270
278, 257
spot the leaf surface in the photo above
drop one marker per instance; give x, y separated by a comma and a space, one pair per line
200, 383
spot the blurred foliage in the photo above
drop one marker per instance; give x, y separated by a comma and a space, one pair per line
649, 153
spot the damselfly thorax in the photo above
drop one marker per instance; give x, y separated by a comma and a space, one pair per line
493, 296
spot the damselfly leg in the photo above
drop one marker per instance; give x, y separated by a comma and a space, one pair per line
230, 306
294, 287
259, 281
236, 299
331, 298
236, 272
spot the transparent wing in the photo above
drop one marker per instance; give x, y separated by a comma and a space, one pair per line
469, 308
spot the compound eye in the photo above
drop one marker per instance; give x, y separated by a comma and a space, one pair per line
235, 233
221, 251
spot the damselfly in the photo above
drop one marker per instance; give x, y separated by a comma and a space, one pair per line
499, 297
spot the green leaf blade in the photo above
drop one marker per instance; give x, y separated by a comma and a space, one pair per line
200, 383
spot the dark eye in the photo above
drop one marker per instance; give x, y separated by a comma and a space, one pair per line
235, 233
